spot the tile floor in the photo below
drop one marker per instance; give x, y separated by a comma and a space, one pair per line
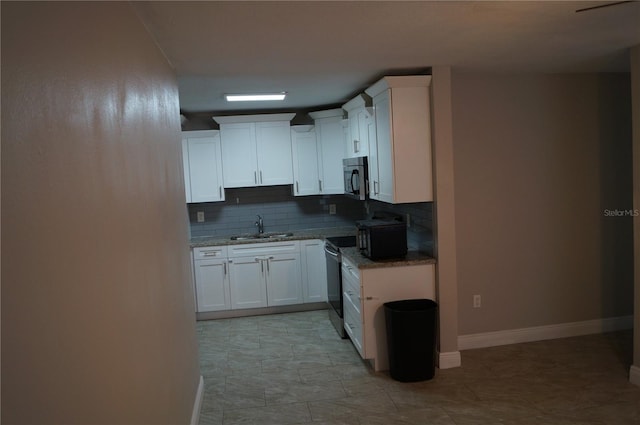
293, 369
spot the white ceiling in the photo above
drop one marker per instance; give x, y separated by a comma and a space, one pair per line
323, 53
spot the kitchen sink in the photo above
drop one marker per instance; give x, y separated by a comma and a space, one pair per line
261, 236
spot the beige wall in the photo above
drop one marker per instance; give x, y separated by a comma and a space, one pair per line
444, 209
635, 84
97, 308
537, 161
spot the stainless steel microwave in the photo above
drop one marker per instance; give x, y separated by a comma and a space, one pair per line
356, 179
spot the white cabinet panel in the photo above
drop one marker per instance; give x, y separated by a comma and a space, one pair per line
417, 281
248, 286
211, 277
359, 116
314, 271
400, 164
331, 144
283, 279
265, 274
274, 153
239, 154
185, 169
256, 150
305, 161
202, 160
212, 285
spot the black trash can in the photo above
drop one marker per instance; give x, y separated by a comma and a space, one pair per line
411, 339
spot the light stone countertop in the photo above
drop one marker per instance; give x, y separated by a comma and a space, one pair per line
297, 235
412, 258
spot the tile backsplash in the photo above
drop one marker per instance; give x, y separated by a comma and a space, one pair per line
281, 211
420, 227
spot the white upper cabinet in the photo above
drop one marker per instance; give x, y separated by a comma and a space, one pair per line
330, 146
305, 160
202, 161
400, 168
256, 150
273, 141
185, 169
359, 115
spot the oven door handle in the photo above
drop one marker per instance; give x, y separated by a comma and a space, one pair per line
330, 252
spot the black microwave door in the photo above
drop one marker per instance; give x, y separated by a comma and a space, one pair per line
355, 182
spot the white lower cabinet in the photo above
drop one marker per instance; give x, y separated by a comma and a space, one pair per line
248, 287
366, 291
282, 277
314, 271
254, 275
211, 276
352, 304
265, 274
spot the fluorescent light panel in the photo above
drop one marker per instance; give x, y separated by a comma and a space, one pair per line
254, 97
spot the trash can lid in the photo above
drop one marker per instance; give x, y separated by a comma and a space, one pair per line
411, 305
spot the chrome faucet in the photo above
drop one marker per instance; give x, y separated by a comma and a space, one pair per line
260, 224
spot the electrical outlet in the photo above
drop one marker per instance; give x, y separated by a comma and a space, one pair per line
200, 216
408, 220
477, 301
332, 208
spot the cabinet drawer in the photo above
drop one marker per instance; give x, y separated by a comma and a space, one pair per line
266, 248
209, 252
353, 327
352, 298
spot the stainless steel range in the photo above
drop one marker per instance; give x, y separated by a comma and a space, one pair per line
334, 279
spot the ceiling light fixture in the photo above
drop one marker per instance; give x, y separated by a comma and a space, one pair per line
255, 97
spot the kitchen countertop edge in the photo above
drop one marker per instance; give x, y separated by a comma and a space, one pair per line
352, 253
413, 258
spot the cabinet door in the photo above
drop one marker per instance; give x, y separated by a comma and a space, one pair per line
330, 135
284, 285
247, 281
274, 153
239, 154
314, 271
361, 147
212, 285
305, 163
383, 185
185, 169
205, 169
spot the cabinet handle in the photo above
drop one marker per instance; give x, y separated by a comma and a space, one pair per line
297, 188
210, 254
268, 261
260, 176
375, 187
320, 185
371, 298
255, 178
220, 191
225, 268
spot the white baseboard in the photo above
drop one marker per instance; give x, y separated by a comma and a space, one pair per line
539, 333
449, 360
634, 375
197, 403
